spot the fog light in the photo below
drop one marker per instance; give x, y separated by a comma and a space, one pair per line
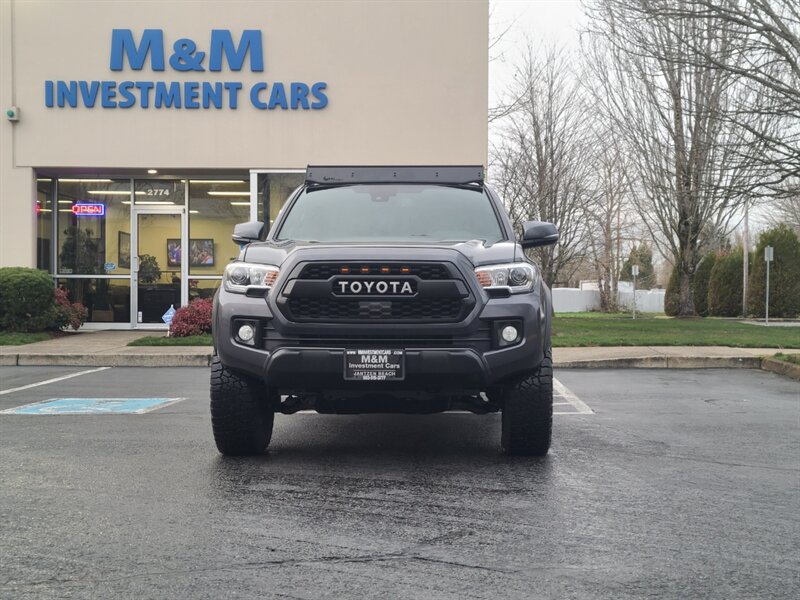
509, 333
246, 333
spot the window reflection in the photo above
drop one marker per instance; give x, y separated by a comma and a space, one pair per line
93, 222
108, 300
44, 223
215, 206
274, 190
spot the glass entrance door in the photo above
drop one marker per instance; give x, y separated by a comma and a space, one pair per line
158, 273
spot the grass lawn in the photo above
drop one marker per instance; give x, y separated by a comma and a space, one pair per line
597, 329
162, 340
790, 358
8, 338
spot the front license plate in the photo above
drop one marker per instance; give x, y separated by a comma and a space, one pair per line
374, 365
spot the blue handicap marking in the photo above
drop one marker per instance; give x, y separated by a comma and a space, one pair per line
91, 406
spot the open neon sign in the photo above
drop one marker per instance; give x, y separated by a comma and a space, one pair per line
89, 209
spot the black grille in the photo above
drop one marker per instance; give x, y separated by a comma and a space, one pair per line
428, 271
348, 309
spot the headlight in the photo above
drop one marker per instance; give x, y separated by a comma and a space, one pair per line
516, 277
239, 276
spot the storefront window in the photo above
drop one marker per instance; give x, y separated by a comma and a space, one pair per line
44, 223
215, 206
202, 288
94, 226
108, 300
274, 190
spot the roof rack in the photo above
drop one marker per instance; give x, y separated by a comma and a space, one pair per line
450, 175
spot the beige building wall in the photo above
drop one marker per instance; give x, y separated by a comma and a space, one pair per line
407, 83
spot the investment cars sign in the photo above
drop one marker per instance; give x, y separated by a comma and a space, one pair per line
149, 52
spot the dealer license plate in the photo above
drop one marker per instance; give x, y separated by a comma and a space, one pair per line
374, 365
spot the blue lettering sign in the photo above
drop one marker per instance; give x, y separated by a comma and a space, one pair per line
148, 52
222, 43
122, 44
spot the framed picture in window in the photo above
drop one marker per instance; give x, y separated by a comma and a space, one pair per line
201, 253
173, 253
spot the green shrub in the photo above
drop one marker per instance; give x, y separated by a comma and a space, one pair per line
784, 274
700, 283
643, 257
672, 295
725, 285
26, 299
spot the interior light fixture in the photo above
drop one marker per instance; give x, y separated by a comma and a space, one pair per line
228, 193
47, 210
152, 171
193, 212
240, 204
43, 179
65, 201
210, 181
86, 180
140, 202
114, 193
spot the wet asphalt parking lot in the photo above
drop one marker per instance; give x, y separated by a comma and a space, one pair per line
660, 484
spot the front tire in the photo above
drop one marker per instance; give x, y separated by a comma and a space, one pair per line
527, 412
241, 414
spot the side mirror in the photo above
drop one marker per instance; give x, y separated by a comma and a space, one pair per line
538, 233
244, 233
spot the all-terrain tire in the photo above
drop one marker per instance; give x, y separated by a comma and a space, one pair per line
527, 412
241, 412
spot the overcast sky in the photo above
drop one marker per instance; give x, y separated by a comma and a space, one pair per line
547, 21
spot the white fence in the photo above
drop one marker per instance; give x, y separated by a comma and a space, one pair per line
582, 300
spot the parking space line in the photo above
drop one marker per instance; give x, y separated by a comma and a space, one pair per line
54, 380
580, 406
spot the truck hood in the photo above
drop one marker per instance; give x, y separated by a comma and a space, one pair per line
478, 254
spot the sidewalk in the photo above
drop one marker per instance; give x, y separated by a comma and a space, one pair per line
110, 349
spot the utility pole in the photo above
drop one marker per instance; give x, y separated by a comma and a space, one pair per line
746, 257
635, 272
768, 259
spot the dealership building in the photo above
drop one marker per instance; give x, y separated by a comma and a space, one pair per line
135, 135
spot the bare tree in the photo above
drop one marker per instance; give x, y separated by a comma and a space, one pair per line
786, 209
692, 166
762, 51
608, 217
540, 166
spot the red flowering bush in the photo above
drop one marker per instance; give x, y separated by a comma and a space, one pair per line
193, 319
66, 313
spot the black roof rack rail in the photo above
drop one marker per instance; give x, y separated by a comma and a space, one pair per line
449, 175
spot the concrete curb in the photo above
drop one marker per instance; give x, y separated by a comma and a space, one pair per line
203, 359
781, 367
102, 360
665, 362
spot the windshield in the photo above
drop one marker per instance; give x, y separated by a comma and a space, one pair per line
391, 213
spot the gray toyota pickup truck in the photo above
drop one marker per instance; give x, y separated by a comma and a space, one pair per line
384, 289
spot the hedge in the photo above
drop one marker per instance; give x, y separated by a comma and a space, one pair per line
26, 299
700, 283
725, 285
784, 274
672, 295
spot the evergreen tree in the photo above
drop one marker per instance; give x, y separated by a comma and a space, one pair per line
725, 285
701, 278
640, 255
784, 274
672, 296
